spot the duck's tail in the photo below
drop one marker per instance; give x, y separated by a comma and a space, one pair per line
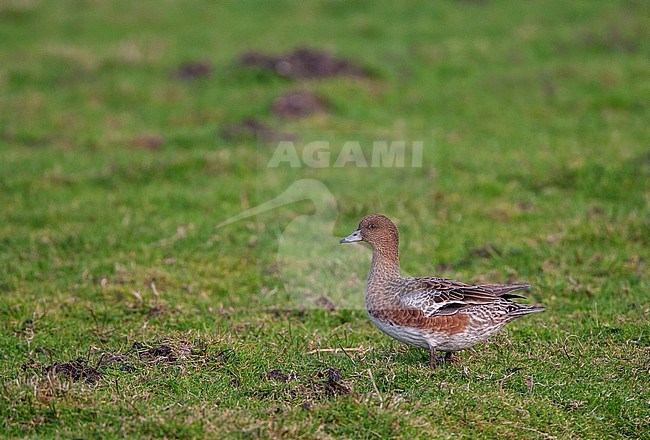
504, 290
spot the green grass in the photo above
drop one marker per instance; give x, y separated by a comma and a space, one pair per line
534, 120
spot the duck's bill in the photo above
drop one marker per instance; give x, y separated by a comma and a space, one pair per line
355, 236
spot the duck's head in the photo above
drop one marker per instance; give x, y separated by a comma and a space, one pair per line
375, 229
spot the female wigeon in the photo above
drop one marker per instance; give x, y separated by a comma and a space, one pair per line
428, 312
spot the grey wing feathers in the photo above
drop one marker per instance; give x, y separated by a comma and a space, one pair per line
503, 290
438, 296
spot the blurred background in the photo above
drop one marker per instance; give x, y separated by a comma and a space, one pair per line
129, 131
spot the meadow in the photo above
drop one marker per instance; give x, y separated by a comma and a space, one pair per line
136, 300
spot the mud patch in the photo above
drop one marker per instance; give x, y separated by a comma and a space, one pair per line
117, 361
312, 387
487, 251
162, 352
332, 382
324, 385
298, 103
278, 376
252, 129
443, 267
139, 356
76, 370
193, 70
148, 141
303, 63
325, 303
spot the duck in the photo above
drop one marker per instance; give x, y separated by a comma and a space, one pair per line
436, 314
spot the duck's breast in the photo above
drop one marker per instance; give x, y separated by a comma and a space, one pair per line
405, 334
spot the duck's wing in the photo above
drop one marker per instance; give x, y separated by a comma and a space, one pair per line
439, 296
504, 290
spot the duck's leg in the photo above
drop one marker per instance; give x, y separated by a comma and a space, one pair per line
432, 357
450, 358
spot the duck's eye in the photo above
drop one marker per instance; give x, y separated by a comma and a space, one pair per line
372, 226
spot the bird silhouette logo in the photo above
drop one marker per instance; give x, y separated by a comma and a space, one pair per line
313, 270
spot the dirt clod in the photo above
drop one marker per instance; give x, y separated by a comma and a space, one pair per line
75, 370
29, 365
195, 69
298, 103
303, 62
333, 382
442, 267
148, 141
325, 303
486, 251
161, 350
249, 127
157, 353
253, 129
278, 375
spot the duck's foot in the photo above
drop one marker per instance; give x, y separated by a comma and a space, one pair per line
450, 358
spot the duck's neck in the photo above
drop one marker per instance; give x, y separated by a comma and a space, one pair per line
384, 276
385, 262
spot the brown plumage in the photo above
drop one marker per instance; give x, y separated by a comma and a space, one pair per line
432, 313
